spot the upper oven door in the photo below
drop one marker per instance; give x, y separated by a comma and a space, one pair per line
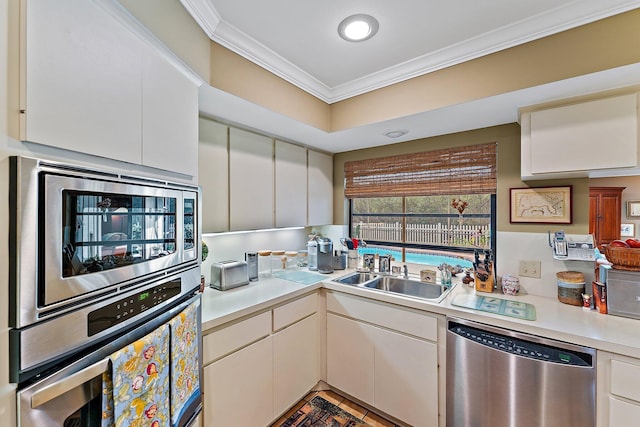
98, 233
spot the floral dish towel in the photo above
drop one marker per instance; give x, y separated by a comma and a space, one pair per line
136, 390
185, 367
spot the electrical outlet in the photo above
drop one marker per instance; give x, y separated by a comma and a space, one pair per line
529, 269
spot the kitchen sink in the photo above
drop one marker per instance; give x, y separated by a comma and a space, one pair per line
357, 278
397, 285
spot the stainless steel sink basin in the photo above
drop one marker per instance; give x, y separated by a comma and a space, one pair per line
397, 285
356, 278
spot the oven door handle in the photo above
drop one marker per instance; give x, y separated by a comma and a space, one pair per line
58, 388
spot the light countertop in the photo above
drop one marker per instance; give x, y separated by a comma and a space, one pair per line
553, 319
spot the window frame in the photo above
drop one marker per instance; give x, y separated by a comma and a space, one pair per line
403, 245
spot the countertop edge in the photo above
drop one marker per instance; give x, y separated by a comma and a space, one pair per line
554, 320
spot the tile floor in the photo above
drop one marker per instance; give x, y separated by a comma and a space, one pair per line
345, 404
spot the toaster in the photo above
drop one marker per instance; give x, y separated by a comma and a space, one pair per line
229, 274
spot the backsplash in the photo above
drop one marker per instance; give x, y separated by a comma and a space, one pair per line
232, 246
514, 247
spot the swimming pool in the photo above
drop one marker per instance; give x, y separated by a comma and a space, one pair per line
427, 258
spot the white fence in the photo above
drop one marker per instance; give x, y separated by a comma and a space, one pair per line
429, 234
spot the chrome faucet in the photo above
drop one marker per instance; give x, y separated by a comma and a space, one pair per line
405, 271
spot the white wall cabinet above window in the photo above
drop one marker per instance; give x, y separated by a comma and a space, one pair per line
586, 139
89, 85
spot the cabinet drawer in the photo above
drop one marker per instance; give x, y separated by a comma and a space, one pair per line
400, 319
621, 413
292, 312
625, 378
233, 337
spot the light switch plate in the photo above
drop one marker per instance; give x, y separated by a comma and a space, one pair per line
529, 269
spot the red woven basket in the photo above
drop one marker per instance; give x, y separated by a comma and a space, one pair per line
623, 258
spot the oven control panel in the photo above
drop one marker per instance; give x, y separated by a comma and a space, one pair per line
126, 308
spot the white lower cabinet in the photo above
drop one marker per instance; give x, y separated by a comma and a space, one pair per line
618, 392
406, 378
350, 357
257, 368
238, 389
296, 362
387, 369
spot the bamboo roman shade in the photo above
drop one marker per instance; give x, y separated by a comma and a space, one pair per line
459, 170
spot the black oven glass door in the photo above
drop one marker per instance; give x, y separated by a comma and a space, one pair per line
97, 235
103, 231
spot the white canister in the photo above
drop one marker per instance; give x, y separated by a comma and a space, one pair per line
510, 285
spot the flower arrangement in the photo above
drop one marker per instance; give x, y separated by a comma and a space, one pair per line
459, 204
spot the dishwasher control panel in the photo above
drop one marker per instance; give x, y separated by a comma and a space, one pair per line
532, 350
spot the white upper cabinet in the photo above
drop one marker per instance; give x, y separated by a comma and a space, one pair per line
90, 85
213, 175
251, 198
251, 182
587, 139
320, 191
291, 184
169, 117
81, 83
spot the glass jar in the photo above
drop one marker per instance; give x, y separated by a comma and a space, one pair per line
292, 260
278, 262
303, 258
264, 264
312, 254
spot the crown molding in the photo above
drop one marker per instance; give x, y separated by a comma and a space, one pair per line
122, 15
535, 27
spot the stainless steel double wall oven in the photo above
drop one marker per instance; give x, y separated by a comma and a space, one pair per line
98, 259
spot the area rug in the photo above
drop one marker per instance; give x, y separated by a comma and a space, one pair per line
320, 413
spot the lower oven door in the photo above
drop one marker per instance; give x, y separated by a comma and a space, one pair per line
72, 396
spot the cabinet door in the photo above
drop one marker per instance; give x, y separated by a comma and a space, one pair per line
605, 210
213, 175
575, 134
251, 180
296, 362
82, 86
350, 357
291, 185
622, 413
169, 117
609, 214
238, 389
406, 378
320, 204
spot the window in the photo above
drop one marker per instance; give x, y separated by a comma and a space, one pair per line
425, 207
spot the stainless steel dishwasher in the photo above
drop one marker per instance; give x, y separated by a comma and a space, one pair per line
498, 377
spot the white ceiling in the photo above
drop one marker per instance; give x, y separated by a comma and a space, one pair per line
298, 41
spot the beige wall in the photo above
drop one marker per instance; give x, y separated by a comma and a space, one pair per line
171, 23
508, 169
236, 75
595, 47
602, 45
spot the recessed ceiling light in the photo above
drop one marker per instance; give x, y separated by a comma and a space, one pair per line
358, 28
396, 133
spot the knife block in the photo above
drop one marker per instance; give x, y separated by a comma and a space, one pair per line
484, 279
